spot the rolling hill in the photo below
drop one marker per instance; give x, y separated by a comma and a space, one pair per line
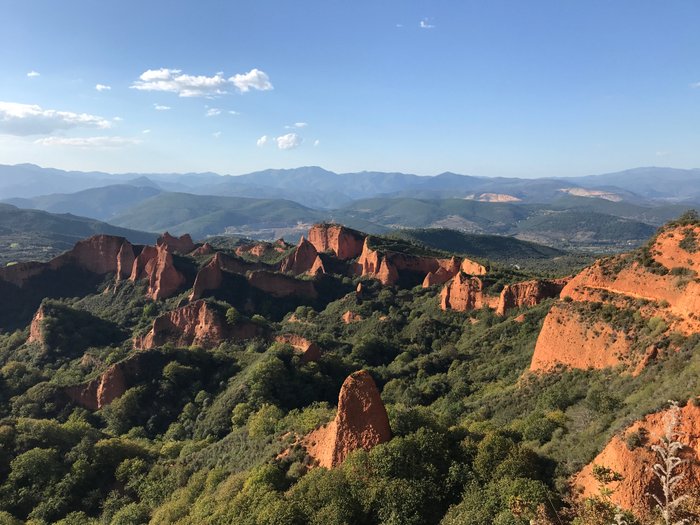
39, 235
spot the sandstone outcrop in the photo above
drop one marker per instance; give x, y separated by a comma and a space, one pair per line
473, 268
182, 244
570, 341
158, 267
344, 242
309, 350
211, 276
528, 293
262, 249
465, 293
636, 465
198, 323
98, 255
36, 332
657, 297
304, 259
360, 422
279, 285
101, 391
204, 249
351, 317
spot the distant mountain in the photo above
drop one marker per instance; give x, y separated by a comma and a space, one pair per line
39, 235
315, 187
202, 215
99, 203
652, 183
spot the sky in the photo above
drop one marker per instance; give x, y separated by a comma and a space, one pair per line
479, 87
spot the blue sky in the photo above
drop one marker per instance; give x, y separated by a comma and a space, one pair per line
513, 88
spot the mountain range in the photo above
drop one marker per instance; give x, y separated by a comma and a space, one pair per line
606, 212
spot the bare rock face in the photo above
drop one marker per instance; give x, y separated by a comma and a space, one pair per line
636, 466
344, 242
351, 317
309, 350
570, 341
197, 323
361, 422
158, 267
98, 255
279, 285
528, 293
473, 268
464, 293
302, 260
622, 283
208, 278
102, 390
182, 244
204, 249
125, 261
36, 333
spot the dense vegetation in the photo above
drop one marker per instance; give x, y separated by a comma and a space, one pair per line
211, 436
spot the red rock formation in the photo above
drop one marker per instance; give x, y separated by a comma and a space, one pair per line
302, 260
36, 332
351, 317
473, 268
197, 323
204, 249
182, 244
464, 293
138, 270
309, 350
528, 293
624, 283
639, 482
344, 242
569, 341
210, 277
125, 261
387, 274
361, 422
158, 267
279, 285
164, 280
102, 390
98, 254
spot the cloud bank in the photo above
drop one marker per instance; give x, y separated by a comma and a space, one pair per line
31, 119
184, 85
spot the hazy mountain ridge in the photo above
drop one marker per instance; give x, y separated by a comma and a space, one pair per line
319, 188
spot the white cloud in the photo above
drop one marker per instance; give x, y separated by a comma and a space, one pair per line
216, 134
233, 112
117, 119
425, 24
288, 141
102, 87
146, 131
88, 142
262, 141
316, 142
297, 125
253, 79
31, 119
663, 153
399, 25
175, 81
213, 112
160, 107
33, 74
696, 85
